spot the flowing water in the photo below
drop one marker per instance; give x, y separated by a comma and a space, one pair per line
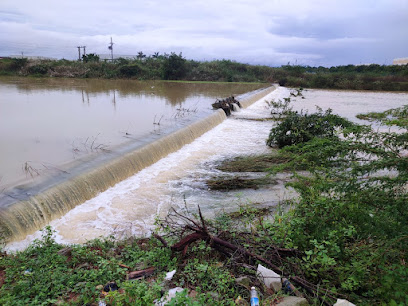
178, 180
350, 103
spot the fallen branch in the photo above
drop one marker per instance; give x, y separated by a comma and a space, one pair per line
158, 237
141, 273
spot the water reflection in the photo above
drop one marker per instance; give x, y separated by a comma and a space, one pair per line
48, 121
174, 93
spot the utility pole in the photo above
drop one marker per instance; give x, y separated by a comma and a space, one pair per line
79, 52
110, 47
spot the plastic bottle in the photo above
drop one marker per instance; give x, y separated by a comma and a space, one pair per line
254, 297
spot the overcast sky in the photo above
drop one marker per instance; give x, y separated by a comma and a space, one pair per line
269, 32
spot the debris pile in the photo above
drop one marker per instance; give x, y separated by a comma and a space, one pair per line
268, 281
228, 104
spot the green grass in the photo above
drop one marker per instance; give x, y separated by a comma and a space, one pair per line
253, 163
234, 183
40, 275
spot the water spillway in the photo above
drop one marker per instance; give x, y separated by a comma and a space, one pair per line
27, 208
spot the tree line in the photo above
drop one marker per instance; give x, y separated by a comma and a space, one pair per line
176, 67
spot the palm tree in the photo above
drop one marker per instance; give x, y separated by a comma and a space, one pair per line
140, 55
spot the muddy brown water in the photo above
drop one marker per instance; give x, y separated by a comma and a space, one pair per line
47, 122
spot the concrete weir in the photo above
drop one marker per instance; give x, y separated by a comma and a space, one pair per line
27, 208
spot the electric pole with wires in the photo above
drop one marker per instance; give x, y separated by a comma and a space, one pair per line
79, 52
110, 47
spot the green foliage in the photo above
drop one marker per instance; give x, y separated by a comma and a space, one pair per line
396, 116
174, 67
130, 70
350, 219
12, 65
39, 69
301, 127
135, 293
40, 275
91, 57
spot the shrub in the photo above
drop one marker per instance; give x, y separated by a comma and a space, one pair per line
131, 70
91, 57
16, 64
39, 69
302, 127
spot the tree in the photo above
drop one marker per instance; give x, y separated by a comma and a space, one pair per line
91, 57
140, 55
174, 67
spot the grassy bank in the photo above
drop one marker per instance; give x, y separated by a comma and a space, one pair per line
176, 67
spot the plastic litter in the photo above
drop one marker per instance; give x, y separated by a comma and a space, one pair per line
254, 301
111, 286
170, 275
167, 298
271, 279
341, 302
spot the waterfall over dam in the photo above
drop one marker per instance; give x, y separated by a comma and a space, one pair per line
27, 208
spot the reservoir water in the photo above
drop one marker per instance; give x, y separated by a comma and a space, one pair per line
47, 122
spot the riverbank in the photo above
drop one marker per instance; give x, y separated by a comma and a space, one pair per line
140, 271
175, 67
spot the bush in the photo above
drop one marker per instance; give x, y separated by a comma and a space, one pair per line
302, 127
39, 69
131, 70
16, 64
91, 57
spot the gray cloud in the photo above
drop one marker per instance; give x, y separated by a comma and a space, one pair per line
275, 32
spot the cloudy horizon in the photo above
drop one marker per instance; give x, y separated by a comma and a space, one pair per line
274, 33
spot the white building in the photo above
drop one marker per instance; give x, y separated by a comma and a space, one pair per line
400, 61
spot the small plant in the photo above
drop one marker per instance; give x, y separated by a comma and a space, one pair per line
279, 107
89, 145
30, 170
158, 121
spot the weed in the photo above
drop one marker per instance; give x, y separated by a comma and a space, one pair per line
234, 183
254, 163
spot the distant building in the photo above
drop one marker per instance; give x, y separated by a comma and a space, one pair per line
400, 61
32, 57
109, 57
